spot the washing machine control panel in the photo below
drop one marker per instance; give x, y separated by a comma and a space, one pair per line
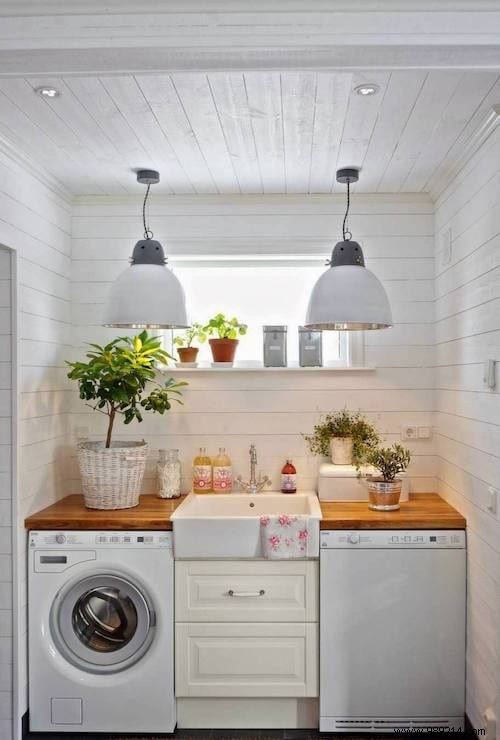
100, 539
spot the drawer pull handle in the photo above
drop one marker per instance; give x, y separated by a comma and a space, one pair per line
246, 593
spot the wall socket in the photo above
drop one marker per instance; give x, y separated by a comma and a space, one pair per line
492, 504
408, 431
490, 721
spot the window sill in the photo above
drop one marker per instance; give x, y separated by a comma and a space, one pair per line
261, 369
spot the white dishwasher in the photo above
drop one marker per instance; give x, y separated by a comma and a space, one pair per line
392, 630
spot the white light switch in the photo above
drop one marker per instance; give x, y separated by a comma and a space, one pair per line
424, 432
493, 500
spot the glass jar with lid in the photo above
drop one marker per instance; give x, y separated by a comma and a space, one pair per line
169, 474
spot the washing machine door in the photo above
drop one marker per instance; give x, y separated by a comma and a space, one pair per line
103, 623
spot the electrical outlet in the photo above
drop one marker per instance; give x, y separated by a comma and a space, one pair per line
491, 723
409, 432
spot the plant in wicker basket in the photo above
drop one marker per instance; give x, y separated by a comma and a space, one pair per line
114, 382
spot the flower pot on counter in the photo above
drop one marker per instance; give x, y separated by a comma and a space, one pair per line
341, 450
187, 354
223, 350
112, 477
384, 495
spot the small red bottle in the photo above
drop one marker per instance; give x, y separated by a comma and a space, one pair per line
288, 478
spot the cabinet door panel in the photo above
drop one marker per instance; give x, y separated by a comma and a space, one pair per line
246, 660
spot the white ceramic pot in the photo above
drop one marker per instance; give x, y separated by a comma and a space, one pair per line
341, 450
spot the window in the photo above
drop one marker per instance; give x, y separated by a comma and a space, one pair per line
258, 292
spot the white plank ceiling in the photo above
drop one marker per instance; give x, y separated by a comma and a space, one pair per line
255, 132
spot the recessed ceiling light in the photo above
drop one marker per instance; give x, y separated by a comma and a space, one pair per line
369, 88
46, 91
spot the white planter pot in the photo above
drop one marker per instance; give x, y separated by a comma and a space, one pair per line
341, 450
112, 477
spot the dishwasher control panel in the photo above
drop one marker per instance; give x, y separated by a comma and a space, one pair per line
392, 539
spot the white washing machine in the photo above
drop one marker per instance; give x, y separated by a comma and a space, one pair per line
100, 610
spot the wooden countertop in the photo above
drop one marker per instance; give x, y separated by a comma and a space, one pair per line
423, 511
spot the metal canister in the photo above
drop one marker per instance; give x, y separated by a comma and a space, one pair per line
274, 346
310, 348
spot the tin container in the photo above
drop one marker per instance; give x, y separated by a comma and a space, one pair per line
310, 348
274, 346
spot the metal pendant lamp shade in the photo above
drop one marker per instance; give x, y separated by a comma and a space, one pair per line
147, 295
348, 296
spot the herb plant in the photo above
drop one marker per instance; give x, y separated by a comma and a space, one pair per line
115, 379
193, 333
344, 424
389, 460
225, 328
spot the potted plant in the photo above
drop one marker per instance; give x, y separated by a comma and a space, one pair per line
384, 491
113, 381
187, 353
345, 436
226, 330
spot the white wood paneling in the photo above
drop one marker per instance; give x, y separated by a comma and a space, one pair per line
36, 223
467, 421
248, 132
235, 410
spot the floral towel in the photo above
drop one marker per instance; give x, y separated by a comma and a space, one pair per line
284, 537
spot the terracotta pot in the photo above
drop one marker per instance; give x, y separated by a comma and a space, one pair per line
384, 495
223, 350
187, 354
341, 450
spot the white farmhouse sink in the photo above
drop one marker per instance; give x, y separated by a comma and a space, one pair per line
228, 525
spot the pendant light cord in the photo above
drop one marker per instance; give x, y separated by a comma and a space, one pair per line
345, 231
148, 234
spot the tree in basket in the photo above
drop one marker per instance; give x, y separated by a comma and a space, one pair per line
384, 491
346, 436
184, 342
226, 330
113, 382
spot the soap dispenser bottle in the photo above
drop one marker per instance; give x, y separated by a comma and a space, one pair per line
202, 472
289, 478
222, 477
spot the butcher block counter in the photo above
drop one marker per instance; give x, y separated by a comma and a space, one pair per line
423, 511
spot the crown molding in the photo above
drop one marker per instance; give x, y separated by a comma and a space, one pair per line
28, 164
472, 144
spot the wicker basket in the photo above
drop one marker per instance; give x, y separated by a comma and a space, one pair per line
112, 477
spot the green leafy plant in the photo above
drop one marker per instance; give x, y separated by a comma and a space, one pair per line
225, 328
195, 332
389, 460
116, 375
344, 424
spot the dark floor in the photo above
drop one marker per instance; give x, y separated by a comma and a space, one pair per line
233, 735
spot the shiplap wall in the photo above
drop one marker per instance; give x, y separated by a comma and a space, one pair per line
272, 409
467, 413
6, 582
35, 222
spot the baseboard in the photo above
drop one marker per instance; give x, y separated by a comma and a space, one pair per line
251, 713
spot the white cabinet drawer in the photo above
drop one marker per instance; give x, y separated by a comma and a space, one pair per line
239, 591
246, 659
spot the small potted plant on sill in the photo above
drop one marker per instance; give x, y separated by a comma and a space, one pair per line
384, 491
345, 436
114, 381
224, 344
187, 353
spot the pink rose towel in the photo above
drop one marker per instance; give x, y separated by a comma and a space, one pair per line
284, 537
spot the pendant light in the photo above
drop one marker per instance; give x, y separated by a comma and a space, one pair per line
348, 296
147, 295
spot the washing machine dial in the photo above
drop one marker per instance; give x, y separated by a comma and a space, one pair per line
354, 539
60, 539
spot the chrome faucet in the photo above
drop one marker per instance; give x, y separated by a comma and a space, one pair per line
254, 485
